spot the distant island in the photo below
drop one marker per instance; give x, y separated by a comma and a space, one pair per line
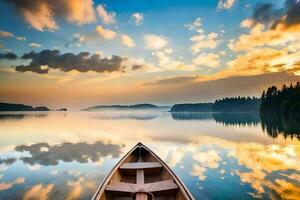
125, 107
23, 107
232, 104
62, 109
193, 107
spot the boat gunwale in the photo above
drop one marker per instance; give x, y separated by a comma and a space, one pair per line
177, 180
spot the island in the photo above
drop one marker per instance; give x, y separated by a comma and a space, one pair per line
62, 109
21, 107
193, 107
126, 107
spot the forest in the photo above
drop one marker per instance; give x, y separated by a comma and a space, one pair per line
237, 104
228, 104
281, 101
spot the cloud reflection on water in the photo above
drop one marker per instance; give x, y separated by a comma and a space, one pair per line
45, 154
205, 153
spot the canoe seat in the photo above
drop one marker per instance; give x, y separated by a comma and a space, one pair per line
141, 165
148, 187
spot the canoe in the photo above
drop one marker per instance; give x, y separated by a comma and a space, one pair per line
142, 175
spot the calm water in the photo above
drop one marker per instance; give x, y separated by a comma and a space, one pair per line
218, 156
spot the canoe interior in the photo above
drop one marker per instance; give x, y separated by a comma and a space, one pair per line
141, 170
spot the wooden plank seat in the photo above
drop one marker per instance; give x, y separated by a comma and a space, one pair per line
148, 187
140, 165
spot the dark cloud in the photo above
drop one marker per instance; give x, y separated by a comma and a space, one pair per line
8, 56
267, 13
136, 67
8, 161
293, 12
173, 80
45, 154
82, 62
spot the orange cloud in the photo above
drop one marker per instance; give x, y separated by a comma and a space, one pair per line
259, 37
41, 15
106, 34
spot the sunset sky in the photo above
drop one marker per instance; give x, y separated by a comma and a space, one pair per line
79, 53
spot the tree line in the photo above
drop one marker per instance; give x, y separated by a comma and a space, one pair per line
281, 101
228, 104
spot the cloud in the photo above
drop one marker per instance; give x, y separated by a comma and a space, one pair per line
5, 34
226, 4
8, 56
247, 23
137, 63
38, 192
195, 25
106, 34
166, 62
268, 13
35, 45
127, 41
272, 43
202, 41
106, 17
37, 13
264, 60
42, 61
258, 61
68, 152
163, 57
207, 59
77, 11
154, 42
172, 80
138, 18
41, 15
20, 38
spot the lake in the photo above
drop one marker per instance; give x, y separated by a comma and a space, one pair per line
66, 155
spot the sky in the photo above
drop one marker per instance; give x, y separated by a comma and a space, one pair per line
80, 53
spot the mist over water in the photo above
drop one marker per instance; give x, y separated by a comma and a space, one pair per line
66, 155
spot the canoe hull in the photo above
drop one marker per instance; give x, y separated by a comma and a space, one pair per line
142, 175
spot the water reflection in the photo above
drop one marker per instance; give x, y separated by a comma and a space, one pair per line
45, 154
67, 156
18, 116
237, 119
274, 125
117, 115
191, 116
